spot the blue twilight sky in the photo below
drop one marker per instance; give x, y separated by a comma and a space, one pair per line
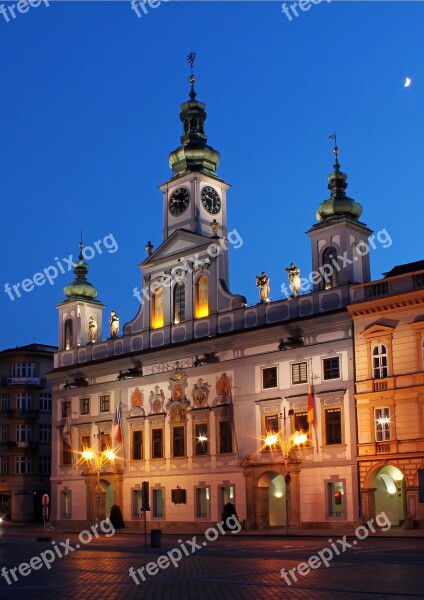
89, 110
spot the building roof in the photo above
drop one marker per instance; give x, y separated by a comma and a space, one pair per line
33, 348
418, 265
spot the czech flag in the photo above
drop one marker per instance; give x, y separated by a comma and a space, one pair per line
116, 427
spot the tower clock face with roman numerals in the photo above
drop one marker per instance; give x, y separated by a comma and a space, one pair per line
179, 201
211, 200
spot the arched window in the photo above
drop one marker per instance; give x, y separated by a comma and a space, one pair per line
379, 361
202, 297
330, 279
68, 334
179, 302
157, 309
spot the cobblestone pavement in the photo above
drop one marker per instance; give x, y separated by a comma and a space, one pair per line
230, 567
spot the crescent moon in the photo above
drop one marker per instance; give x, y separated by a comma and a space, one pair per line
408, 82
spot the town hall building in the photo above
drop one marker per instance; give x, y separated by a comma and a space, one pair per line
214, 401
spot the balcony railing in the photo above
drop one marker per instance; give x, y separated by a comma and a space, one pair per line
381, 385
38, 382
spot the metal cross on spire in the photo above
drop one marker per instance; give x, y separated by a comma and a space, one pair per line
336, 150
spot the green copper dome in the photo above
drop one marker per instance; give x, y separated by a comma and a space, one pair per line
339, 204
194, 154
80, 289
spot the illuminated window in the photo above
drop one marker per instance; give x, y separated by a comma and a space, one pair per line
203, 502
69, 336
201, 442
179, 302
202, 297
271, 424
301, 422
379, 361
328, 256
157, 309
336, 499
382, 424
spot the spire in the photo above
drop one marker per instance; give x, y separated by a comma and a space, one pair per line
80, 289
339, 204
194, 154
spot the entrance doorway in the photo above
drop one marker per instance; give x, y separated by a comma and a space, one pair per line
390, 494
105, 499
271, 501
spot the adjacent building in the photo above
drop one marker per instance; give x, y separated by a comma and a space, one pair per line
25, 430
198, 380
388, 317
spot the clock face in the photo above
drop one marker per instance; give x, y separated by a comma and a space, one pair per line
179, 201
211, 200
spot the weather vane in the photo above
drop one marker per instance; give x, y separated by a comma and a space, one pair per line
336, 150
191, 58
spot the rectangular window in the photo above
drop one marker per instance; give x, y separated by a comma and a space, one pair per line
225, 437
23, 465
84, 406
137, 445
269, 378
66, 454
66, 504
4, 434
301, 422
202, 503
105, 403
271, 424
157, 502
105, 441
46, 402
299, 373
45, 433
23, 433
333, 426
157, 443
201, 442
23, 369
66, 409
178, 442
4, 402
85, 442
45, 465
382, 424
4, 465
336, 499
23, 402
331, 368
137, 503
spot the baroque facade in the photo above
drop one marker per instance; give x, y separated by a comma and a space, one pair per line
25, 430
199, 380
388, 317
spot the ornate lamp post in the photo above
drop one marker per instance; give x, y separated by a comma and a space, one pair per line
286, 444
99, 459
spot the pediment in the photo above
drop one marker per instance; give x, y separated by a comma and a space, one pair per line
180, 242
378, 329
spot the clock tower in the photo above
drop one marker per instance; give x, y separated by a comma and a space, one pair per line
185, 282
195, 197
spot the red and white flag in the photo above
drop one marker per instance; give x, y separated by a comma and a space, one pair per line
116, 427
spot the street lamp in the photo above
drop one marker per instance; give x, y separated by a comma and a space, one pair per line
286, 444
100, 459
